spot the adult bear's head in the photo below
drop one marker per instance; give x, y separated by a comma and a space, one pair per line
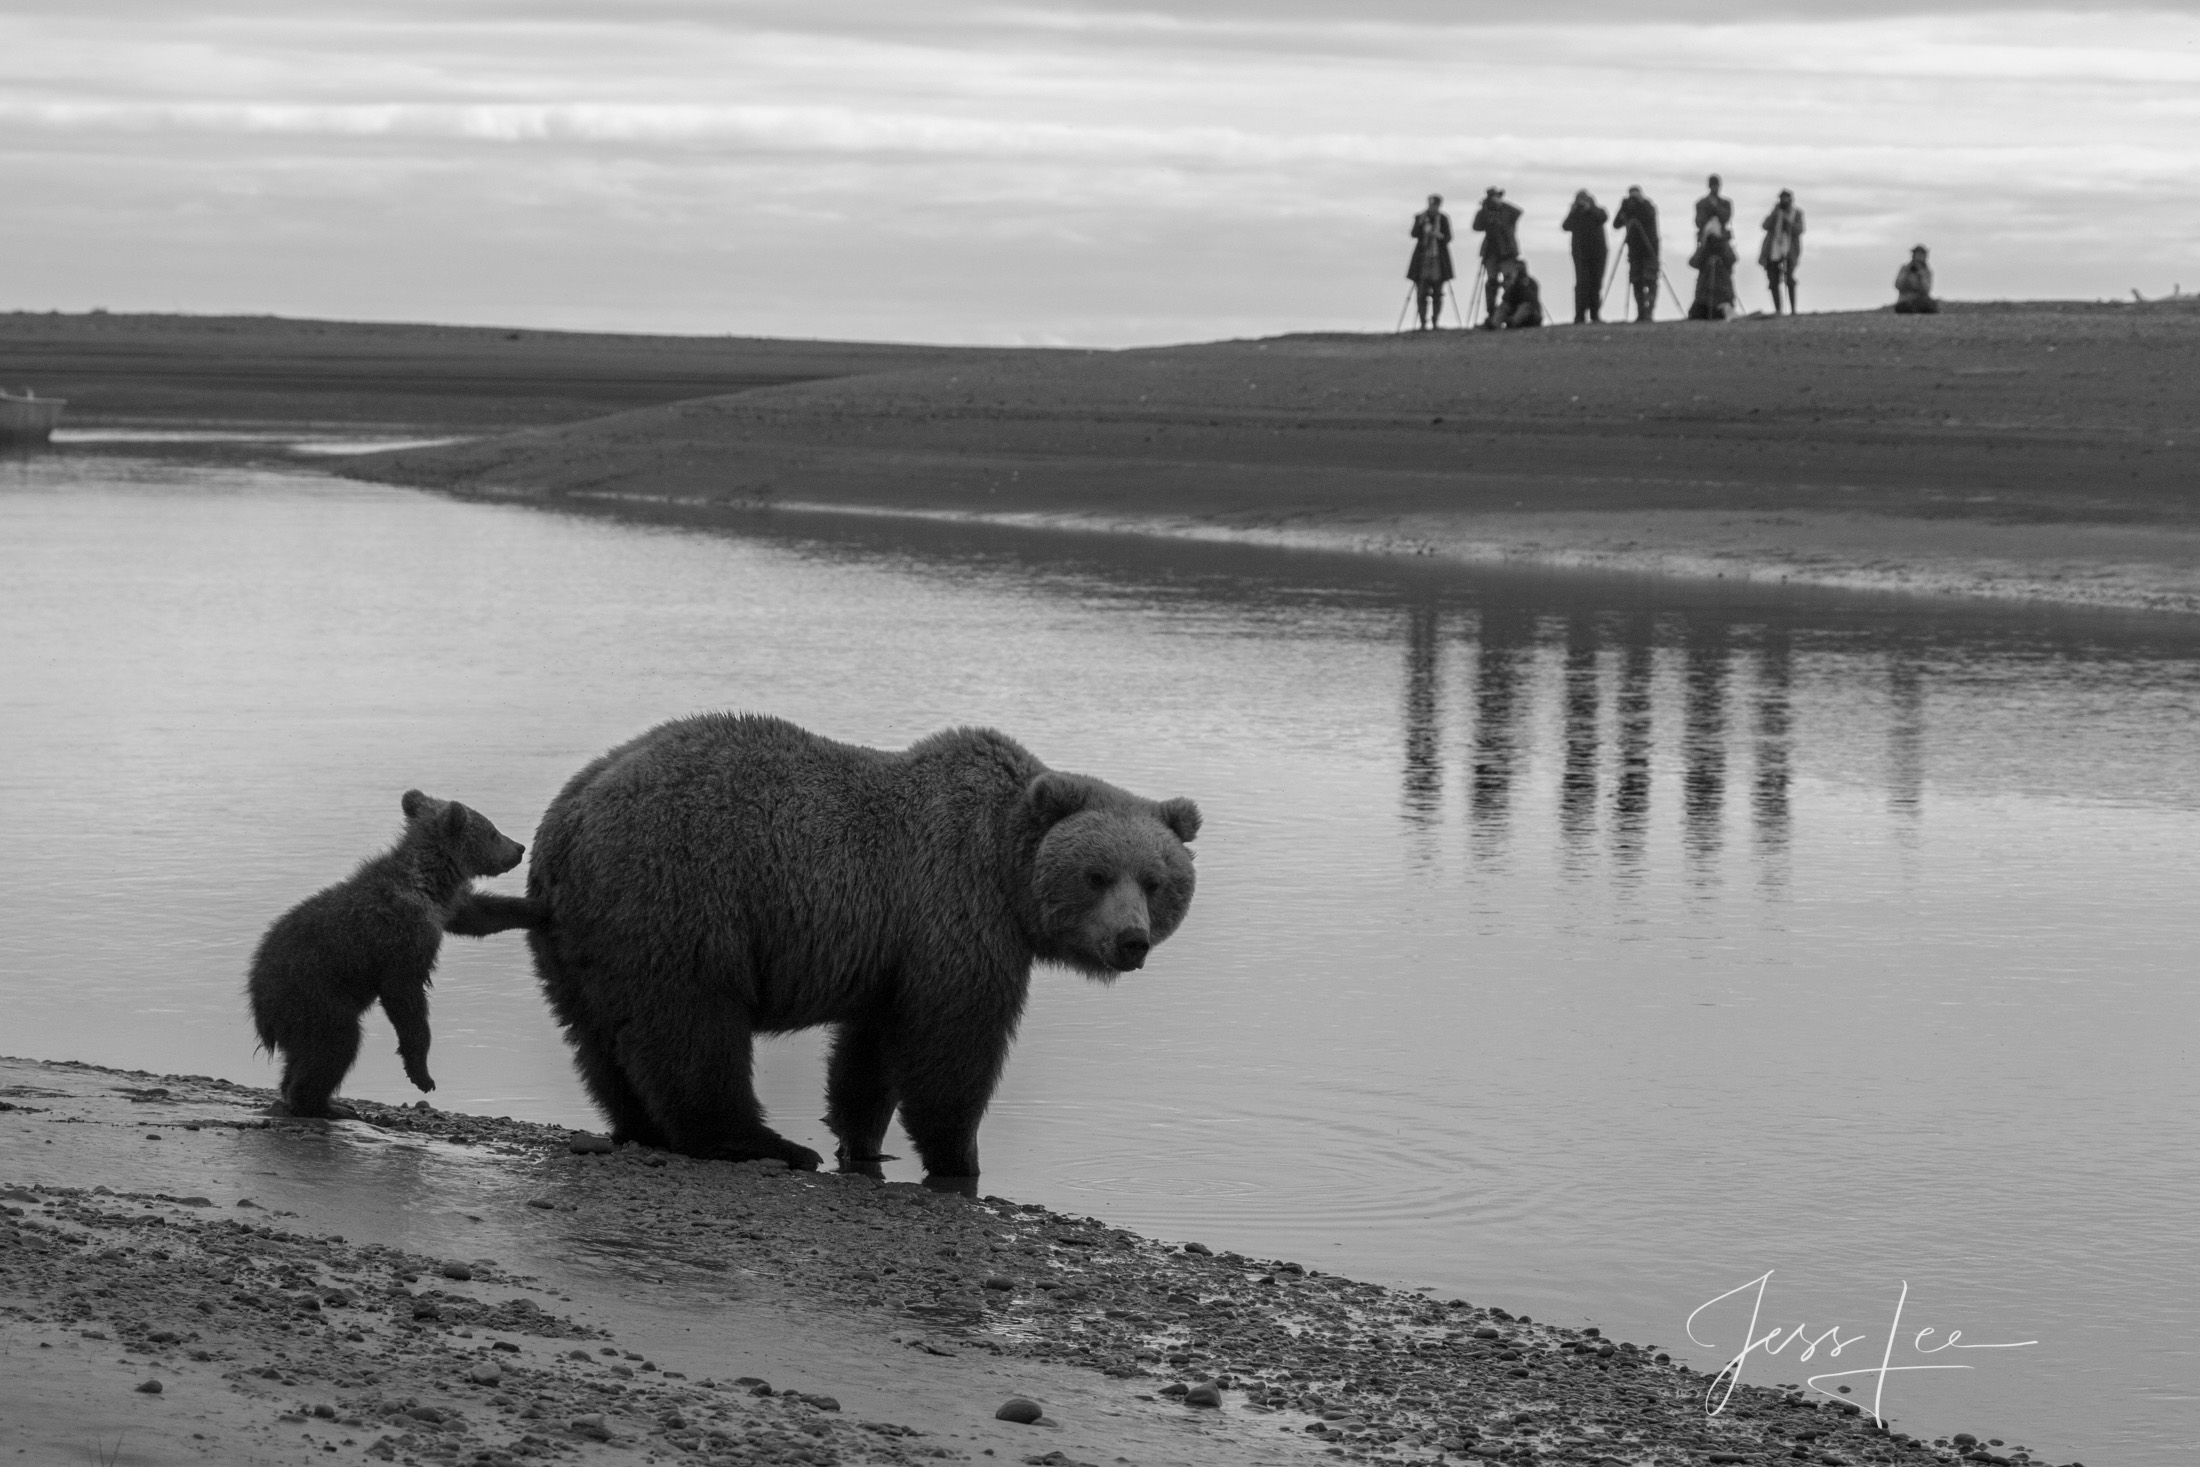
1111, 873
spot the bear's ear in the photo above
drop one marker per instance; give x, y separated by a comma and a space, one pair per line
412, 803
1181, 816
455, 817
1054, 797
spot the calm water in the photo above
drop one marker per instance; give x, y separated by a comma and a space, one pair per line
1576, 946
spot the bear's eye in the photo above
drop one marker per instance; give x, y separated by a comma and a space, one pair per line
1150, 884
1098, 879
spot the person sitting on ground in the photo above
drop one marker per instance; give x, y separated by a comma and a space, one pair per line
1639, 218
1714, 205
1782, 248
1495, 222
1585, 222
1913, 287
1714, 266
1523, 302
1430, 268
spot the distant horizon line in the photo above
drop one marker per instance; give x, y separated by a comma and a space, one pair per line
511, 329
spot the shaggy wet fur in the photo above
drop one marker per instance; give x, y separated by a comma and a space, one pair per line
727, 876
372, 937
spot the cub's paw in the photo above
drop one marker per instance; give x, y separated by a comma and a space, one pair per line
420, 1078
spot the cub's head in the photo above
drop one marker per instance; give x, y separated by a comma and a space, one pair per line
479, 848
1112, 875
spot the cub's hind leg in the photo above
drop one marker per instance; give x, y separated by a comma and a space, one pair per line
316, 1057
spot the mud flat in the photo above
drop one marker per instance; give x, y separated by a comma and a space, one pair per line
184, 1279
161, 371
2028, 452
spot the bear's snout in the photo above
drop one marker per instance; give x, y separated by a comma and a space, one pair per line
1131, 947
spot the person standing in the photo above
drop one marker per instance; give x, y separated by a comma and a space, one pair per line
1782, 249
1585, 222
1430, 268
1497, 222
1639, 218
1913, 287
1714, 265
1714, 205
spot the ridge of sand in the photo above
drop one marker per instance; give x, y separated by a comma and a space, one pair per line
425, 1287
2041, 455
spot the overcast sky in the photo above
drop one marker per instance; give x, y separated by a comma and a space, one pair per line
1050, 172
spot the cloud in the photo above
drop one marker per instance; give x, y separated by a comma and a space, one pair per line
953, 165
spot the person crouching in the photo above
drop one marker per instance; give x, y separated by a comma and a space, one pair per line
1522, 304
1714, 266
1913, 287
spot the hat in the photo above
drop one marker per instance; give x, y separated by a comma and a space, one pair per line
1919, 250
1787, 193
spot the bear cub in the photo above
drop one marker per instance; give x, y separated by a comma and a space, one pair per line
372, 937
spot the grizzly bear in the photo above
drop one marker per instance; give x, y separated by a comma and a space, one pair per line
372, 936
727, 875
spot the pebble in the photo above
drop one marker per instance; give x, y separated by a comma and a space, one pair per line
581, 1143
1201, 1249
457, 1271
1000, 1282
485, 1374
1020, 1410
590, 1426
149, 1387
1203, 1395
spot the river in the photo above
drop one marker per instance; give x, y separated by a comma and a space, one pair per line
1585, 946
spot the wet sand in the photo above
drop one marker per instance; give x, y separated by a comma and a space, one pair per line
420, 1286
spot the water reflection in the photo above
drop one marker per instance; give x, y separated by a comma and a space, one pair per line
1773, 720
1905, 733
1582, 694
1504, 654
1424, 778
1631, 793
1703, 744
1577, 799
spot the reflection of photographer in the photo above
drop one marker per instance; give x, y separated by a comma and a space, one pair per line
1430, 268
1497, 222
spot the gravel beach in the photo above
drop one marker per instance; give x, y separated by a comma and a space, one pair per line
184, 1278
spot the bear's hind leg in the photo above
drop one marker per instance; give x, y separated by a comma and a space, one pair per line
693, 1069
316, 1057
620, 1103
859, 1094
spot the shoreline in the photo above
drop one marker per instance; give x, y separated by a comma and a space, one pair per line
301, 1287
1860, 554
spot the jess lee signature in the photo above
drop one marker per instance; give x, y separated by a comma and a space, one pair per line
1778, 1338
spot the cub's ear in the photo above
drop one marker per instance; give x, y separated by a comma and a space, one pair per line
413, 803
1054, 796
1181, 816
455, 817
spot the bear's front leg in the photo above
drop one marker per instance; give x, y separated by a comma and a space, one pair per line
407, 1006
947, 1065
